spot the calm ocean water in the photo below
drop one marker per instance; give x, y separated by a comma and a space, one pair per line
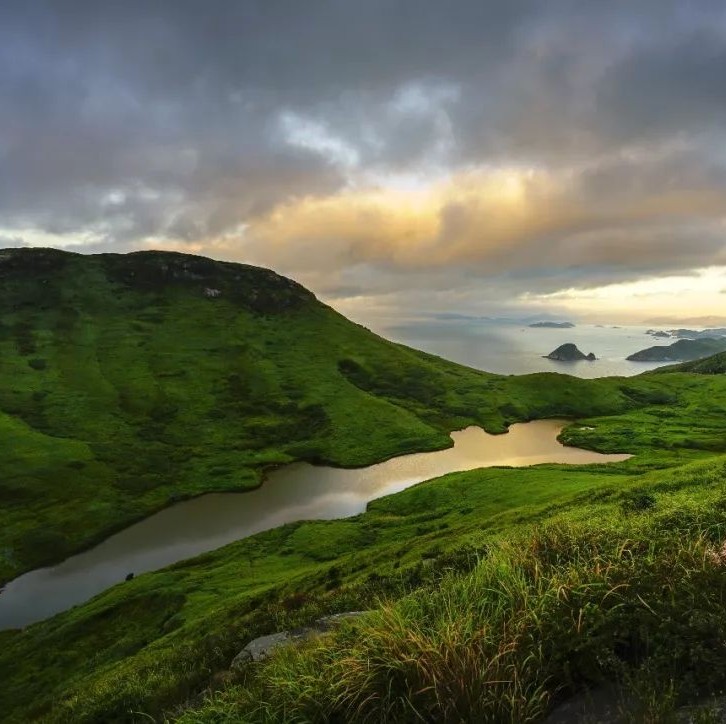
510, 348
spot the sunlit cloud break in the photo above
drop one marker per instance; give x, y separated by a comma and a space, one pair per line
561, 156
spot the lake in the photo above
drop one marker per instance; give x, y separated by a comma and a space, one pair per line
296, 492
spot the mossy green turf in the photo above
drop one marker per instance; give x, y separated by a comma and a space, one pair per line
124, 386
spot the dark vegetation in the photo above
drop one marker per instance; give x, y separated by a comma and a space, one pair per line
494, 594
713, 365
682, 350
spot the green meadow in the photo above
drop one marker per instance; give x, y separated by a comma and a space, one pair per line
130, 382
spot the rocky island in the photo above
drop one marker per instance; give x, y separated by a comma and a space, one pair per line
569, 353
552, 325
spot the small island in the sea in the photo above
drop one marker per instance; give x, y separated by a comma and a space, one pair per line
569, 353
684, 350
552, 325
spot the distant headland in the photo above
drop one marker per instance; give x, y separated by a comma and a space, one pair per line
552, 325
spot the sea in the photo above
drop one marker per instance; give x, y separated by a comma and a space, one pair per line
514, 348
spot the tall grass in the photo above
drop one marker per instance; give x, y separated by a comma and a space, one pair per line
543, 616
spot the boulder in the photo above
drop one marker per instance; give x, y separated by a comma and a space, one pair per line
262, 647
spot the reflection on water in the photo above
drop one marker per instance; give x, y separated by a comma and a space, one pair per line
295, 492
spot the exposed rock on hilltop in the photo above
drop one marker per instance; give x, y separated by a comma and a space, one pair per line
569, 353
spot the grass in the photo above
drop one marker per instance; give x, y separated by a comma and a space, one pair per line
153, 643
125, 388
546, 612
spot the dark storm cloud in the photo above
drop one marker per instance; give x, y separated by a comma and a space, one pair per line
670, 88
210, 125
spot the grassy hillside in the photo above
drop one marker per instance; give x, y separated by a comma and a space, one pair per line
713, 365
129, 382
683, 349
125, 385
616, 573
634, 605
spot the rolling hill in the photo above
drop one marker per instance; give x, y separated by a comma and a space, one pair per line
684, 350
130, 382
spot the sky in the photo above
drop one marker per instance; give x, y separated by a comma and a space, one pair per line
550, 158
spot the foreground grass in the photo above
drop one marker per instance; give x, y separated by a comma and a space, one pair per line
635, 601
151, 644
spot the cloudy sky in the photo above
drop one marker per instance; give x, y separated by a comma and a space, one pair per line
397, 156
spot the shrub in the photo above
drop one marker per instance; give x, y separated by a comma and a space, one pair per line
637, 502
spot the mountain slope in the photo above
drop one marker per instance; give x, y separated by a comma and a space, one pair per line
713, 365
125, 384
683, 350
130, 381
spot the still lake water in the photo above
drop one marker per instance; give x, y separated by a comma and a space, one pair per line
516, 349
295, 492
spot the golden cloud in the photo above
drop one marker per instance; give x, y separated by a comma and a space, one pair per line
500, 218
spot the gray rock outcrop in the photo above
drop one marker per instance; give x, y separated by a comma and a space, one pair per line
262, 647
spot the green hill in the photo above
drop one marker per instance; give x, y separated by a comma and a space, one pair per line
683, 350
713, 365
129, 382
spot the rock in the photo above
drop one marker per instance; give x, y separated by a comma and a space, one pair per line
712, 710
261, 648
602, 705
569, 353
239, 662
610, 705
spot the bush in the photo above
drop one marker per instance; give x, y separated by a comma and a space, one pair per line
637, 502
